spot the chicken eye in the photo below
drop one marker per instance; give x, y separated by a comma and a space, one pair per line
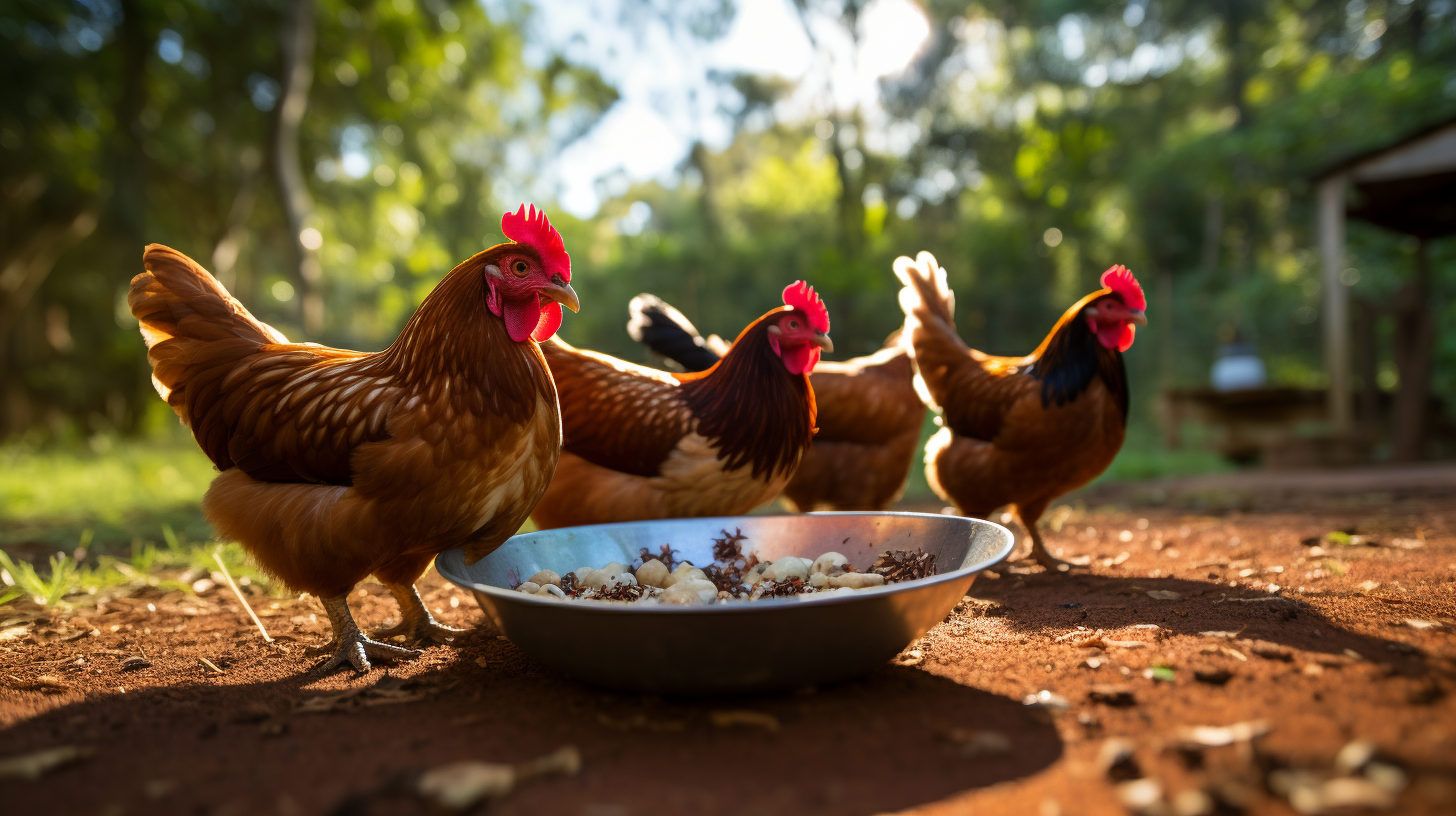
793, 324
520, 268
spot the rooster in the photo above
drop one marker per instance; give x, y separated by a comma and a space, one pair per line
334, 464
1021, 431
869, 414
639, 443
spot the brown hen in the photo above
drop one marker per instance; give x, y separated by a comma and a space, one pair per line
340, 464
869, 414
639, 443
1020, 431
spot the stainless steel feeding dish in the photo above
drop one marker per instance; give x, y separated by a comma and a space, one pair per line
738, 646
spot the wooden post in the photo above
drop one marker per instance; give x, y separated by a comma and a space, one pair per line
1336, 304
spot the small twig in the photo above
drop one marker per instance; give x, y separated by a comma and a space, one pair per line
210, 664
216, 556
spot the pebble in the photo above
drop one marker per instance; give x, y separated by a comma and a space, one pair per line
1193, 802
545, 577
1217, 736
1048, 700
755, 574
1140, 795
652, 573
857, 580
829, 562
690, 591
685, 571
786, 568
528, 587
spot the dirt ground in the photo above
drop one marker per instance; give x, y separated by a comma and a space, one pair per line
1230, 659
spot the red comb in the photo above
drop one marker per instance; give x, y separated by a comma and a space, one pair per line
1120, 280
532, 228
800, 295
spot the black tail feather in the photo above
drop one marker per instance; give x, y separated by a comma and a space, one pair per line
665, 331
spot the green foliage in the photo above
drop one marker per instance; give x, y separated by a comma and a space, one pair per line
1030, 147
44, 591
151, 121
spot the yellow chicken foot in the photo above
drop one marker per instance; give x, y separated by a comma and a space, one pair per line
350, 645
416, 623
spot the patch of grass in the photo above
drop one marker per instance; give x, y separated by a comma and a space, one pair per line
1144, 457
171, 564
118, 489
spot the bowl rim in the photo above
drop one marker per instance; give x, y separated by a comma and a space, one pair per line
747, 607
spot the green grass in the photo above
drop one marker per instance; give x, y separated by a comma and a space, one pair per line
120, 490
170, 564
128, 509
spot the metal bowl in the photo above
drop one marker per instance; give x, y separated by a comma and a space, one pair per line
729, 647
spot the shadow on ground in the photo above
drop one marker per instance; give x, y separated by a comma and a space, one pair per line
878, 744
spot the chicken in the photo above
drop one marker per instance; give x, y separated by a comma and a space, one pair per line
639, 443
334, 464
869, 414
1021, 431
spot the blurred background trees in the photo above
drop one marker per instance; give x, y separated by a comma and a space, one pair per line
330, 160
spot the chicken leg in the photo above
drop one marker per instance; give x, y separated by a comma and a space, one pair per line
415, 621
349, 645
1029, 515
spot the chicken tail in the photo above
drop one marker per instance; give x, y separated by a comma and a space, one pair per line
929, 333
194, 330
663, 329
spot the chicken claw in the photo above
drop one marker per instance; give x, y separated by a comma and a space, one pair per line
350, 645
1046, 559
416, 623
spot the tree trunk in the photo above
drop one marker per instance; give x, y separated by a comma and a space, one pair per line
298, 49
1414, 340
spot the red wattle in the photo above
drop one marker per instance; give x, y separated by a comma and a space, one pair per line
522, 317
550, 322
801, 359
1125, 342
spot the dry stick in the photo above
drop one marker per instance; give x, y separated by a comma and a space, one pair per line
216, 556
210, 665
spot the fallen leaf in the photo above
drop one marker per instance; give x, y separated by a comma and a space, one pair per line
1216, 736
978, 742
36, 764
14, 632
728, 718
1164, 595
462, 784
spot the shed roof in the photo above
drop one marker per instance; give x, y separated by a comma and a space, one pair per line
1409, 185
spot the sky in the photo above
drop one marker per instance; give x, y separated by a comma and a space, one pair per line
668, 100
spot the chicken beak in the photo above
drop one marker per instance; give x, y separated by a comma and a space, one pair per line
822, 341
1137, 316
561, 292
